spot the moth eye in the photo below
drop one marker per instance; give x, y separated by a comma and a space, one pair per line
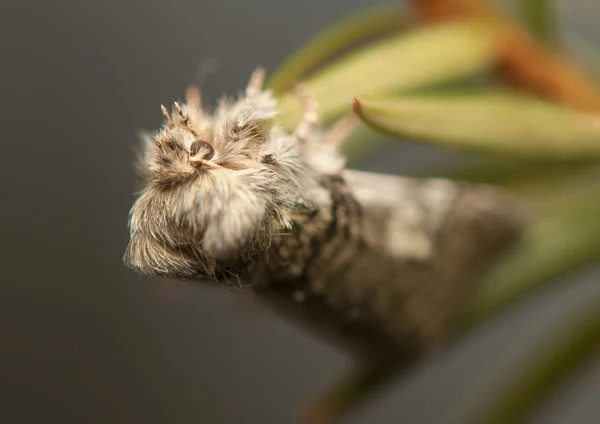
204, 148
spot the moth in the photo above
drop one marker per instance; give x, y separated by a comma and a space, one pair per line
378, 263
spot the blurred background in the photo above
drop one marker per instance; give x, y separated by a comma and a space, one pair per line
84, 340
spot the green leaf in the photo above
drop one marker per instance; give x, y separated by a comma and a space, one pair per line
540, 16
420, 58
506, 170
553, 356
368, 24
488, 121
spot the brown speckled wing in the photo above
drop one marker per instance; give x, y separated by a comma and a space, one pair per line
382, 264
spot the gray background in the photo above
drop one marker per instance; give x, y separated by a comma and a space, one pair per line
83, 340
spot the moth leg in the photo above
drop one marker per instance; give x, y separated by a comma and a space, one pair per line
310, 119
256, 82
193, 97
341, 130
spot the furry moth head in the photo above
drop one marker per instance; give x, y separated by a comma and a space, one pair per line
217, 185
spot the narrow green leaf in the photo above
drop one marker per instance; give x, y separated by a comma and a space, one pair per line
563, 348
488, 121
374, 22
421, 58
507, 170
540, 16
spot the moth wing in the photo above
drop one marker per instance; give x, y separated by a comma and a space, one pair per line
431, 240
406, 216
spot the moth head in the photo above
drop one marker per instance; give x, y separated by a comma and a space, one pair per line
217, 187
239, 135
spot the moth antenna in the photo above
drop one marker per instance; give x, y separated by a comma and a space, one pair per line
165, 113
256, 82
310, 119
193, 97
341, 130
184, 118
